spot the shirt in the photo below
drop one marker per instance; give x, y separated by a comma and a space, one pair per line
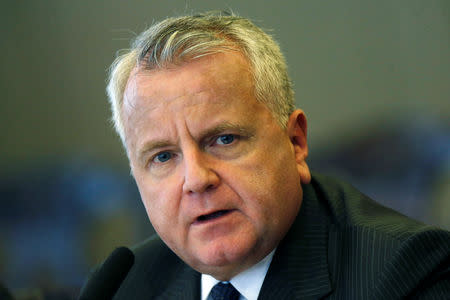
248, 283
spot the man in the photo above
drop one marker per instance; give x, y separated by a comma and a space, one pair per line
205, 109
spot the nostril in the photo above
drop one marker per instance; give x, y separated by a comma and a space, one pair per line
210, 187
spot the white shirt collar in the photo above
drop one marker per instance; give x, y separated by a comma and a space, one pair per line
248, 283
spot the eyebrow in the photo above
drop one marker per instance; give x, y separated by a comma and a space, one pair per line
216, 130
149, 147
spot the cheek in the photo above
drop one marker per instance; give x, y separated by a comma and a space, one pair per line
269, 185
161, 203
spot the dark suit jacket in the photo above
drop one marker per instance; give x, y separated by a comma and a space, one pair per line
342, 245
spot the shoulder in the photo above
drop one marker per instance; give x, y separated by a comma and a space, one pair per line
155, 267
152, 251
349, 208
386, 251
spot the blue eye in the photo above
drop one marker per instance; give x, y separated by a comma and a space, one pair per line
225, 139
163, 157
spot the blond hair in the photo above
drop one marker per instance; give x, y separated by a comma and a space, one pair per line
181, 39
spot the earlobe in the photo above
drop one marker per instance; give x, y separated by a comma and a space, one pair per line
297, 131
303, 171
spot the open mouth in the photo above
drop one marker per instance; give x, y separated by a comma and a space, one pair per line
214, 215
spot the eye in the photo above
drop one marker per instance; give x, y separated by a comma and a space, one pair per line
225, 139
162, 157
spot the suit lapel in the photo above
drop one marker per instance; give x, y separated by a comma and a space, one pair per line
299, 269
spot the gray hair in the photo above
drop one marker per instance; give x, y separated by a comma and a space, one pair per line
177, 40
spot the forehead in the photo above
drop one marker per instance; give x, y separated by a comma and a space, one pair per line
217, 74
200, 94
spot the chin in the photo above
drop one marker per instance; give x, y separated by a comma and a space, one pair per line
229, 259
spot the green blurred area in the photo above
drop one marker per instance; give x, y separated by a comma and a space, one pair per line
351, 61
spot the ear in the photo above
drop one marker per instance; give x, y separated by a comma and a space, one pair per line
296, 130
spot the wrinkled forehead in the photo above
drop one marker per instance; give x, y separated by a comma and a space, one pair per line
216, 74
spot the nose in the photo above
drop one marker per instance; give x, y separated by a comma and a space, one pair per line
199, 175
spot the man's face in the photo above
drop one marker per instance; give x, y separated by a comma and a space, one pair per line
219, 178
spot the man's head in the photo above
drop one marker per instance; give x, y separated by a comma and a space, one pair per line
219, 163
177, 40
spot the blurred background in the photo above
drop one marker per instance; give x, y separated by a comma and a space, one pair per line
372, 76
